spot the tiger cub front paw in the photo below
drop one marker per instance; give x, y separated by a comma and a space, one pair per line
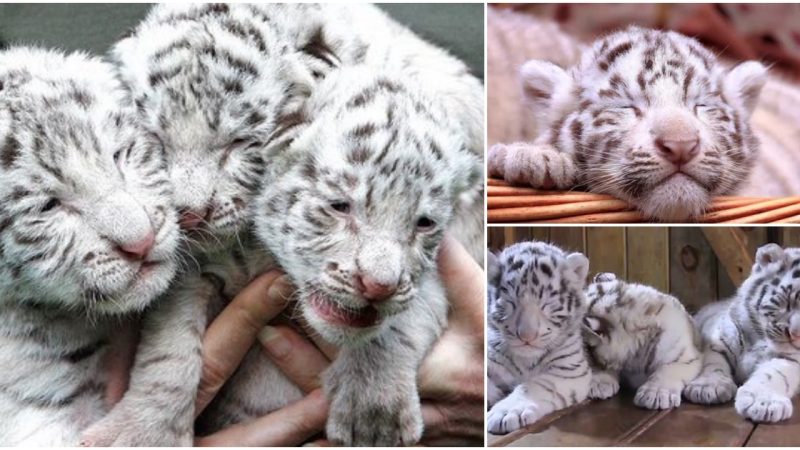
710, 389
538, 165
603, 386
512, 414
386, 419
760, 405
654, 396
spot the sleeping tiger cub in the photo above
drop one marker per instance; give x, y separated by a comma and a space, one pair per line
643, 336
537, 363
648, 116
753, 340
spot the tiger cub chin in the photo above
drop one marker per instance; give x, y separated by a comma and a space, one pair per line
753, 341
537, 362
648, 116
642, 336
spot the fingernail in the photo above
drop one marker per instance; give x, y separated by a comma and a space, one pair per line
280, 290
274, 342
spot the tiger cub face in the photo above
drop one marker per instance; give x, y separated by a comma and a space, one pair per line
536, 295
772, 294
653, 118
86, 222
606, 327
217, 92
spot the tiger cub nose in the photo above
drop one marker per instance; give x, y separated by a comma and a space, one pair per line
372, 290
678, 151
138, 249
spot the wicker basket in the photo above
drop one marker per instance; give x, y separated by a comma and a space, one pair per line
507, 204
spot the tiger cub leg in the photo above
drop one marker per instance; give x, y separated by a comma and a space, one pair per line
663, 388
539, 165
767, 394
604, 385
563, 383
158, 408
714, 384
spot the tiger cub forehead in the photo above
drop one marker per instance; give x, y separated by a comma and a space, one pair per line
651, 66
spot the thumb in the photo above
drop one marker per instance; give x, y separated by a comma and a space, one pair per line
465, 283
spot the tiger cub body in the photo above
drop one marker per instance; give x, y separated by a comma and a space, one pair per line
648, 116
536, 357
753, 341
355, 172
641, 336
87, 239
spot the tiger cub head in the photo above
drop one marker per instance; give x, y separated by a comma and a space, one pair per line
772, 295
536, 295
652, 117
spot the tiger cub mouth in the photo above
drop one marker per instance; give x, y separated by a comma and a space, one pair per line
333, 312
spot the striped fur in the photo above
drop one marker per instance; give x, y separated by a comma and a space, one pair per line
537, 362
369, 188
220, 87
641, 336
78, 181
753, 341
383, 159
603, 119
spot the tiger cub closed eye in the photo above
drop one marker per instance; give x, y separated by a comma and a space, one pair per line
753, 341
641, 336
537, 362
648, 116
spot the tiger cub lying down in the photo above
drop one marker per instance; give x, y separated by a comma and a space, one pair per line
537, 362
642, 336
753, 340
648, 116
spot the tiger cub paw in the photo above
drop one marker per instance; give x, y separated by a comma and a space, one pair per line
654, 396
538, 165
603, 386
509, 415
710, 389
760, 405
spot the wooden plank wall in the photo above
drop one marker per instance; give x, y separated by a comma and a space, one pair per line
679, 260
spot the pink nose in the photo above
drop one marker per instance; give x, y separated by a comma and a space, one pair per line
372, 290
678, 151
139, 249
191, 219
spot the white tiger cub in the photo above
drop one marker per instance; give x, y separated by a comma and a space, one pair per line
648, 116
536, 359
357, 206
753, 341
87, 235
642, 336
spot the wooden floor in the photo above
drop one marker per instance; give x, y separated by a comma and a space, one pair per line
617, 422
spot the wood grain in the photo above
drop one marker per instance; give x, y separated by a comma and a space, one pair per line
647, 256
605, 248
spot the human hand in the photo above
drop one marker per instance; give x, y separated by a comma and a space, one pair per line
228, 340
451, 378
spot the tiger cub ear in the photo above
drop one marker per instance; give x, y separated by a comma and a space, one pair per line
579, 265
743, 84
546, 86
592, 330
604, 276
493, 269
770, 254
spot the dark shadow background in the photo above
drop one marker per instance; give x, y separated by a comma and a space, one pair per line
95, 27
